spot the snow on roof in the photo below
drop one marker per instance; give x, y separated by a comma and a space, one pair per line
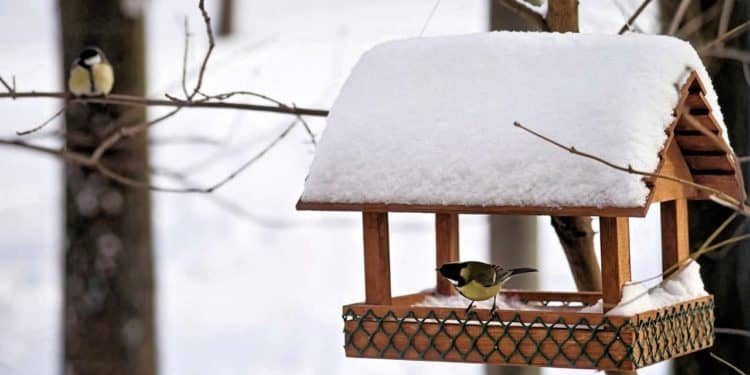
428, 121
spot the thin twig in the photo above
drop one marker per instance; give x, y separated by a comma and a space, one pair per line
678, 16
732, 331
429, 17
11, 89
252, 160
727, 363
185, 58
697, 23
127, 132
42, 125
726, 15
632, 18
726, 36
728, 53
211, 44
520, 8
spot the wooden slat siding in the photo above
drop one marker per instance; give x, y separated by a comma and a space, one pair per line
697, 143
672, 164
697, 101
484, 344
615, 254
460, 209
710, 162
446, 248
377, 258
725, 183
675, 245
705, 120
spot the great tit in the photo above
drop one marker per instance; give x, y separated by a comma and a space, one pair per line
91, 74
479, 281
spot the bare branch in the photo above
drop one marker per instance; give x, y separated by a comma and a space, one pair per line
211, 45
727, 363
252, 160
728, 53
631, 20
523, 10
726, 14
725, 36
697, 23
732, 331
678, 16
11, 89
39, 127
139, 101
185, 58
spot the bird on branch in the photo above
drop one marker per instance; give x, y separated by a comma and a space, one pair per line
91, 74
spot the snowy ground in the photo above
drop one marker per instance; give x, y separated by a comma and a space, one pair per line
216, 313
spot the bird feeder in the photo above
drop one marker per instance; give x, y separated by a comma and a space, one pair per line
425, 125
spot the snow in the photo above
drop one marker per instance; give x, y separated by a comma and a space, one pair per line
213, 312
429, 120
682, 286
504, 302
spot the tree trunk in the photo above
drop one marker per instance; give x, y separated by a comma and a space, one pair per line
725, 273
562, 15
109, 303
226, 21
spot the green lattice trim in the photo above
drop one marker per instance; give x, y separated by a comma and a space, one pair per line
673, 332
564, 342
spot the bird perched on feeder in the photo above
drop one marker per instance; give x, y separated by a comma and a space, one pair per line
91, 74
479, 281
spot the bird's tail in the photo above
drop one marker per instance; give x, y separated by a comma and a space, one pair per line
518, 271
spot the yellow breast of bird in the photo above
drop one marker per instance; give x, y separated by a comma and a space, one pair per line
478, 292
104, 78
79, 82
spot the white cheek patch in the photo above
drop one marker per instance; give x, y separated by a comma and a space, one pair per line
93, 60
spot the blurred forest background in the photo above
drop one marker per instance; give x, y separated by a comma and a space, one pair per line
178, 283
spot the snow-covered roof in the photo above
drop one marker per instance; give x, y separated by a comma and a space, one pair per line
429, 121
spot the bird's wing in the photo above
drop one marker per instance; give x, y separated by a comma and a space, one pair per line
483, 274
502, 275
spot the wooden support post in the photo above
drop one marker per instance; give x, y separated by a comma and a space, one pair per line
615, 252
675, 246
446, 246
377, 258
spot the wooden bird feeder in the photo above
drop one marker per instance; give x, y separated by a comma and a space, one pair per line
386, 326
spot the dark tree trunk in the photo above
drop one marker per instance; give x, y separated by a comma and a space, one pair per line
226, 21
109, 300
726, 273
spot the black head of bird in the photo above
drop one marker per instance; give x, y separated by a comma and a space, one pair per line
91, 56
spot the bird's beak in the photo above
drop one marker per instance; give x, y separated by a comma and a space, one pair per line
437, 269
